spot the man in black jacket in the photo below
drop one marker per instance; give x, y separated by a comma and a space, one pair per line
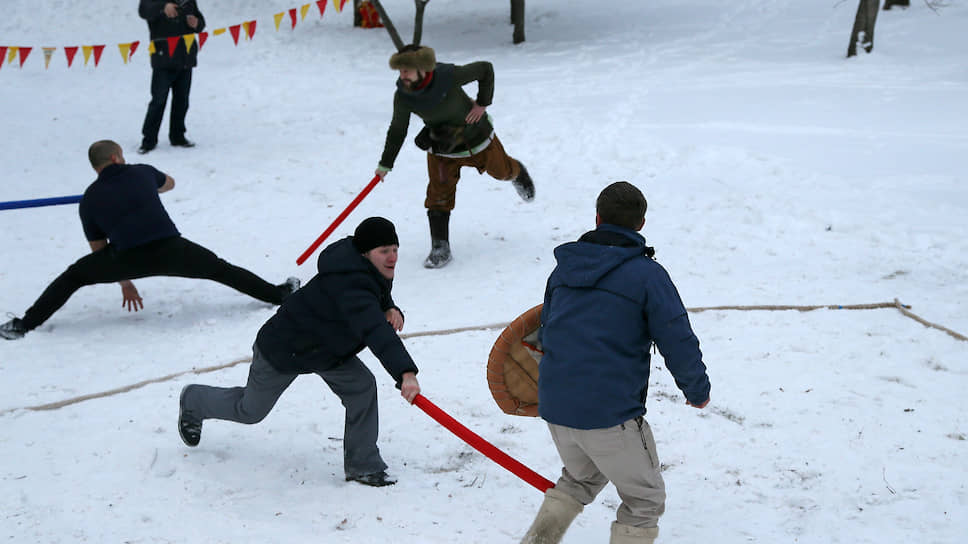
320, 329
170, 70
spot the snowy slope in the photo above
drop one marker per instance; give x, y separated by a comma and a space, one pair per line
777, 172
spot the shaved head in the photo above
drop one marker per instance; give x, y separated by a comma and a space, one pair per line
100, 153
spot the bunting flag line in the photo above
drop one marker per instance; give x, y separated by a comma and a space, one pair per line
48, 53
127, 49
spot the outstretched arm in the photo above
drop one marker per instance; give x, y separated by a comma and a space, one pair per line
167, 186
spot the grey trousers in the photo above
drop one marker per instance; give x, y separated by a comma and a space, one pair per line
624, 455
352, 382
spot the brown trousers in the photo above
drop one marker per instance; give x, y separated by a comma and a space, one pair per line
444, 173
624, 455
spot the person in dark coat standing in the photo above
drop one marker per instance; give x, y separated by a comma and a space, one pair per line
457, 133
170, 72
607, 302
319, 330
131, 236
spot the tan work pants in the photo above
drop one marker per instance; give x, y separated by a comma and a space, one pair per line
444, 173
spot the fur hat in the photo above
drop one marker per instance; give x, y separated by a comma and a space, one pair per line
414, 57
374, 232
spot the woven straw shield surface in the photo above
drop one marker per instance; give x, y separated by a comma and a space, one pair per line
512, 373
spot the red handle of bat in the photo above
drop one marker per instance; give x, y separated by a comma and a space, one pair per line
541, 483
339, 219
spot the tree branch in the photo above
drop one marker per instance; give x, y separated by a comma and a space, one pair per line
391, 30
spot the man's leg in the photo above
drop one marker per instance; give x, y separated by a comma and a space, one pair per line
101, 266
356, 388
178, 256
249, 404
499, 165
160, 84
181, 87
443, 173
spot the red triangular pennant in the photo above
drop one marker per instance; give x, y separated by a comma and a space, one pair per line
292, 16
342, 4
202, 36
251, 29
172, 44
234, 29
24, 51
134, 47
322, 6
70, 52
98, 49
3, 53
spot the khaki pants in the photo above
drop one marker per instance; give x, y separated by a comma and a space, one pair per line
624, 455
444, 173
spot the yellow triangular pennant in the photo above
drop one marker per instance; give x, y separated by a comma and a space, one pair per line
189, 40
87, 52
125, 49
48, 53
245, 29
218, 32
278, 19
11, 53
338, 5
303, 11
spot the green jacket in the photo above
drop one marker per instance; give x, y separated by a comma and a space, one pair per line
442, 105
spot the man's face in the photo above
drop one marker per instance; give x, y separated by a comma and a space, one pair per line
384, 258
410, 77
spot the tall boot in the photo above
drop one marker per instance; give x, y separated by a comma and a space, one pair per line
523, 184
557, 512
627, 534
439, 243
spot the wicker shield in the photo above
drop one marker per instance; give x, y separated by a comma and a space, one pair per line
512, 371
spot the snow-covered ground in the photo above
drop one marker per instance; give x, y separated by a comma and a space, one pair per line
777, 172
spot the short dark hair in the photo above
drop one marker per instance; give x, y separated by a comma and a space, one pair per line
622, 204
101, 151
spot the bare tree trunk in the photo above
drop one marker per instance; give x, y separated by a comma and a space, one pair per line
391, 30
418, 21
863, 30
517, 19
888, 4
357, 16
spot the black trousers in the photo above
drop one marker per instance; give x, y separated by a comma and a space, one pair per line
180, 83
173, 256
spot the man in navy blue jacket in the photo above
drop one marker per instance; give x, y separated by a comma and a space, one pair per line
607, 301
319, 330
131, 236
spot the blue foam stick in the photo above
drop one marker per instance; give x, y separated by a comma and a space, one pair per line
37, 202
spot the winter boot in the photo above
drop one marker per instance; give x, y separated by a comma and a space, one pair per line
439, 244
557, 512
523, 184
374, 479
13, 329
627, 534
189, 428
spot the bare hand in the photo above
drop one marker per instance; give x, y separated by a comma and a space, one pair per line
395, 319
700, 406
475, 114
130, 296
192, 21
381, 173
171, 10
409, 388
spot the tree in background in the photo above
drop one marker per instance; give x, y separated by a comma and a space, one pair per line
863, 31
517, 19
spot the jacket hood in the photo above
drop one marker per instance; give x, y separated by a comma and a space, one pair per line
596, 254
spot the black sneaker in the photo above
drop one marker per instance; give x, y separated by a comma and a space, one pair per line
189, 429
182, 143
523, 185
374, 479
439, 254
13, 329
146, 147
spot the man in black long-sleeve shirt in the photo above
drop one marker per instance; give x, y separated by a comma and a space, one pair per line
170, 70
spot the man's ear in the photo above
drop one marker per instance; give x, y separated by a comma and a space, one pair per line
598, 220
642, 224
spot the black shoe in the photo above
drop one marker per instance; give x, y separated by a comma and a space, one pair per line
439, 254
13, 329
189, 429
290, 286
182, 143
146, 147
523, 185
374, 479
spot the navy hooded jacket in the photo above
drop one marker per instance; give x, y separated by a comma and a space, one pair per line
606, 302
334, 316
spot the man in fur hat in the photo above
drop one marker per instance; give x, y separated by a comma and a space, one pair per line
457, 132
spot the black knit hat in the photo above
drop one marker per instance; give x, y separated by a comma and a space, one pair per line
374, 232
